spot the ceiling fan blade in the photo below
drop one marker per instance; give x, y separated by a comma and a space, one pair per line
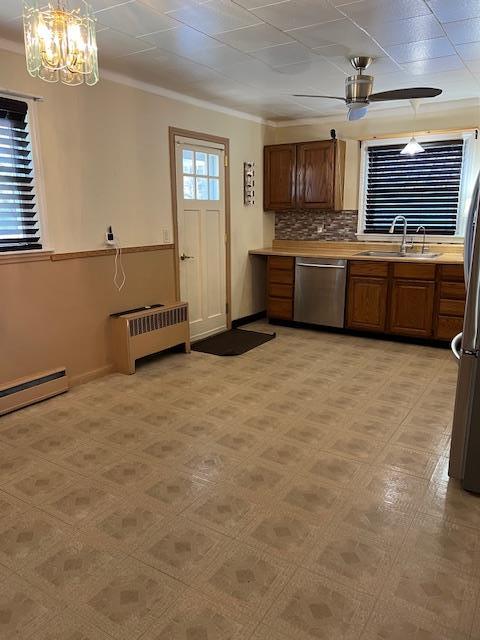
357, 113
405, 94
306, 95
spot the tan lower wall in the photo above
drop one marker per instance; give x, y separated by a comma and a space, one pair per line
55, 312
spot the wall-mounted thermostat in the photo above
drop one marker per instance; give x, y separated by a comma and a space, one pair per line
249, 183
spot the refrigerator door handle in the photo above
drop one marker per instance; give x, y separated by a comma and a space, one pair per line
472, 262
455, 345
469, 232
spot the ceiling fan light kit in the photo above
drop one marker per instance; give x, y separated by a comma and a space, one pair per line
359, 87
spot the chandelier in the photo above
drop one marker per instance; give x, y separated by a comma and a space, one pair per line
60, 42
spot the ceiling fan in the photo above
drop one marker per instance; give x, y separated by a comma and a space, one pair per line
358, 91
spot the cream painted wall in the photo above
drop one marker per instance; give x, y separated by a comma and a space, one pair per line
460, 115
105, 159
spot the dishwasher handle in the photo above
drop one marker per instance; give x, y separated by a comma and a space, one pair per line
320, 266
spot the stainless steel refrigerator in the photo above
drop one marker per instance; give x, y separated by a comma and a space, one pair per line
465, 448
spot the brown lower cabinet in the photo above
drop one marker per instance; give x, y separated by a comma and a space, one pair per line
403, 298
280, 287
408, 299
411, 308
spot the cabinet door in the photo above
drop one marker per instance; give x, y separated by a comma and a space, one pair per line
367, 303
280, 170
411, 311
316, 175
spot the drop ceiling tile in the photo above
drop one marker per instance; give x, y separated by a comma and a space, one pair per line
341, 32
469, 52
450, 11
10, 9
297, 13
215, 16
379, 65
168, 5
183, 41
413, 51
404, 31
136, 19
284, 54
100, 5
220, 57
112, 44
254, 38
463, 31
255, 4
433, 65
374, 12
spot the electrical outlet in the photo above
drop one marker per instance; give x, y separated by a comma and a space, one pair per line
320, 228
166, 236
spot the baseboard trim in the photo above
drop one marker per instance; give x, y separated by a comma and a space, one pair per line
247, 319
91, 375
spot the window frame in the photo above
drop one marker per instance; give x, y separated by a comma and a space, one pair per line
39, 189
469, 165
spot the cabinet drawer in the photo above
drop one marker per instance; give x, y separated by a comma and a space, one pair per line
452, 272
281, 262
280, 277
280, 308
367, 268
452, 290
447, 327
452, 307
414, 271
276, 290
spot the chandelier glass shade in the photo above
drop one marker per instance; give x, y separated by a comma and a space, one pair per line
60, 42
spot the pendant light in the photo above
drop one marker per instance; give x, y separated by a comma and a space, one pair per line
60, 42
413, 147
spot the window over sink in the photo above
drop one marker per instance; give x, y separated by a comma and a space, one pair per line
431, 189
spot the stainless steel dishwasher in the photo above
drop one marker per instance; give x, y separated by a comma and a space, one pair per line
320, 285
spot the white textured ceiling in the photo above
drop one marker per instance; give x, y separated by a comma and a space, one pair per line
252, 56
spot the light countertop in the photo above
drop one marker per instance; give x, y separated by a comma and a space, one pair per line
449, 254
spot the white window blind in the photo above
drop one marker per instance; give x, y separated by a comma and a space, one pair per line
19, 222
424, 188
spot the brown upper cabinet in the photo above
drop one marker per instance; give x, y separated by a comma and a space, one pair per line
280, 177
306, 175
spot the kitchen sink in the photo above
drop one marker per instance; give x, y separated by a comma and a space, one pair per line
397, 254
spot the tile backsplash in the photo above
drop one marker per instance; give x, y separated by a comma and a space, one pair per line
305, 224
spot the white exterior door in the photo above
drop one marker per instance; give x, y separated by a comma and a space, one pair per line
201, 235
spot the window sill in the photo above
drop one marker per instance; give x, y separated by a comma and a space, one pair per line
37, 255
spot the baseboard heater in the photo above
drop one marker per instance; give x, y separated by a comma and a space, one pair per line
141, 333
25, 391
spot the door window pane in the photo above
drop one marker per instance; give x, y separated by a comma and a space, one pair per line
214, 188
202, 188
213, 165
189, 187
201, 167
187, 161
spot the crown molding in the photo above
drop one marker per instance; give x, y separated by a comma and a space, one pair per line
433, 107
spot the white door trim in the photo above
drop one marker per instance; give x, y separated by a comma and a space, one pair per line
209, 304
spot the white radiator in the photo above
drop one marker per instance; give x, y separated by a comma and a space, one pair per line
143, 333
24, 391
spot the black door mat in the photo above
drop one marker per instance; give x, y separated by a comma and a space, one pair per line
233, 342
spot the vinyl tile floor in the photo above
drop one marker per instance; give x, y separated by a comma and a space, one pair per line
296, 492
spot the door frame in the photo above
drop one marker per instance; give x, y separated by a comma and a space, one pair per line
173, 133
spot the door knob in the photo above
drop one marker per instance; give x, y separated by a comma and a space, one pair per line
185, 257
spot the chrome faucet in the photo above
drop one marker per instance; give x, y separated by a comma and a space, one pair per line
403, 246
424, 236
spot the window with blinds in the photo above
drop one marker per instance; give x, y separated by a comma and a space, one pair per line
19, 223
424, 188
